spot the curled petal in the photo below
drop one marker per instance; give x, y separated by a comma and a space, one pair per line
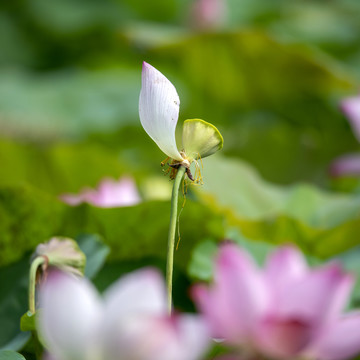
70, 317
63, 253
159, 110
200, 139
351, 108
341, 341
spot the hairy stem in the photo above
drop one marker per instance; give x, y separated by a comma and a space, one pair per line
32, 282
172, 232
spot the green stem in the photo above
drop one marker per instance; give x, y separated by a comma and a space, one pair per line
32, 282
172, 232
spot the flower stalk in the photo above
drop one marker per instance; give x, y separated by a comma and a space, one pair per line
172, 232
159, 106
38, 261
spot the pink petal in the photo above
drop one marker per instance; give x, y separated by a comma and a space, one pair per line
183, 337
284, 266
237, 299
192, 337
159, 110
209, 301
347, 165
110, 193
160, 338
317, 298
70, 316
208, 14
284, 338
351, 108
340, 341
48, 356
72, 199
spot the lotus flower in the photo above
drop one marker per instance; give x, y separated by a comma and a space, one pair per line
159, 106
109, 194
284, 311
130, 322
349, 164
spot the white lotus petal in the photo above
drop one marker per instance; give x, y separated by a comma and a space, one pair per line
130, 304
70, 318
159, 110
140, 292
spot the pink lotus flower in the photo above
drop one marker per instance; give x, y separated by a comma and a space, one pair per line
110, 193
130, 322
349, 164
285, 311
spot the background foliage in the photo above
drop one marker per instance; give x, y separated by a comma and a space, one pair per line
270, 78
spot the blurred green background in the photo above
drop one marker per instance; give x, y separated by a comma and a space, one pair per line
270, 74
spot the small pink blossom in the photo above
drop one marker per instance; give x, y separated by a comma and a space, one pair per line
208, 14
109, 194
349, 164
351, 108
346, 165
129, 322
284, 311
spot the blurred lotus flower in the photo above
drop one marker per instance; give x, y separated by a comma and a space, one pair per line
285, 311
130, 322
349, 164
109, 194
159, 106
208, 14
